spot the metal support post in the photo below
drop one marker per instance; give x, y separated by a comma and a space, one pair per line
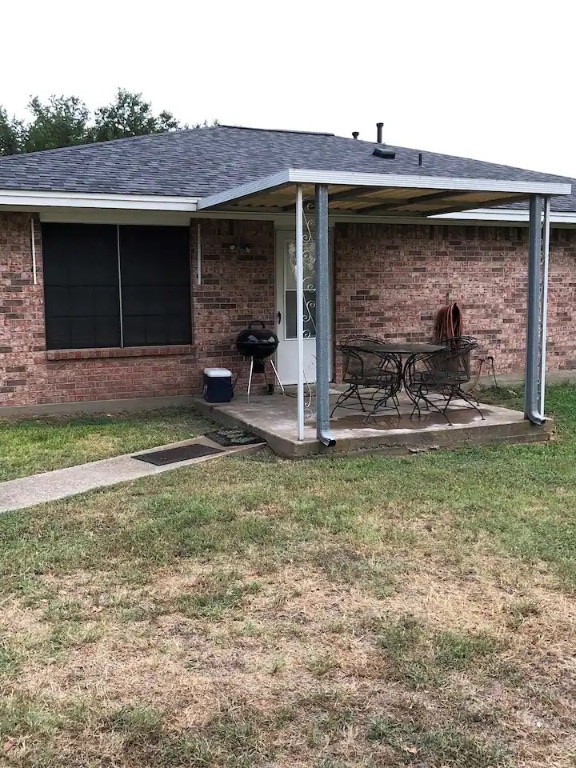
300, 309
546, 261
322, 319
534, 349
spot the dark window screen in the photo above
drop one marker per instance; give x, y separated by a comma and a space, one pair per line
155, 266
81, 286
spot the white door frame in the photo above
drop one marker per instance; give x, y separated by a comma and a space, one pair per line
288, 368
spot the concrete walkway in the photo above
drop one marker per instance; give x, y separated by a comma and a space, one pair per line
60, 483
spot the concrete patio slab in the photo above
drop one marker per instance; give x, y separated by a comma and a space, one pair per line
274, 419
60, 483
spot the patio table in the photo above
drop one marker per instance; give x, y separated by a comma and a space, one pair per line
405, 351
374, 365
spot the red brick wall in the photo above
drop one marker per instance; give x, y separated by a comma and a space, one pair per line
561, 346
21, 309
236, 287
27, 374
390, 280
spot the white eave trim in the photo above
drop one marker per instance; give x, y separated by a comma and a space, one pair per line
266, 183
304, 176
506, 214
35, 199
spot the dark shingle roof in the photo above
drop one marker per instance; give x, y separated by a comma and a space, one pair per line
203, 161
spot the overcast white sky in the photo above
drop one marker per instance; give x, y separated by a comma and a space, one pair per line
491, 79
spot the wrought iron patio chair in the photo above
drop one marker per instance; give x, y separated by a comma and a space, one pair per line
373, 377
435, 380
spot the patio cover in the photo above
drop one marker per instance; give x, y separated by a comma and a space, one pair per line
374, 194
364, 195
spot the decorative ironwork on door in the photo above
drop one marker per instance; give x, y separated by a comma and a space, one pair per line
309, 278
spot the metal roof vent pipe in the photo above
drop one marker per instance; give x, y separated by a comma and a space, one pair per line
379, 127
385, 152
355, 134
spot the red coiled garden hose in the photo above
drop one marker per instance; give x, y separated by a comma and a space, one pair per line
449, 324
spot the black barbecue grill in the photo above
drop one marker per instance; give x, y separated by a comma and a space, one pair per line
256, 345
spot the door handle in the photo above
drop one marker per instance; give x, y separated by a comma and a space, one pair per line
278, 317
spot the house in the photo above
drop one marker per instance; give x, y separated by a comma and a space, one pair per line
129, 266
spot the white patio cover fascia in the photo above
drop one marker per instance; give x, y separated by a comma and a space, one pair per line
373, 193
425, 196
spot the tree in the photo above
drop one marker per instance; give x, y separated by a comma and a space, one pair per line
61, 122
64, 121
130, 115
11, 134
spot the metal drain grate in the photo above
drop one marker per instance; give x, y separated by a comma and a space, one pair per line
182, 453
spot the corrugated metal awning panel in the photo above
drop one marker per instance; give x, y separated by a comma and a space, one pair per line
369, 201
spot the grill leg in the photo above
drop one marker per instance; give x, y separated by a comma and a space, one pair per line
277, 377
250, 376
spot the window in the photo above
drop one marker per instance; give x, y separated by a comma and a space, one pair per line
109, 286
81, 286
155, 271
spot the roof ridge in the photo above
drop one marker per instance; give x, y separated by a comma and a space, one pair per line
278, 130
107, 143
176, 132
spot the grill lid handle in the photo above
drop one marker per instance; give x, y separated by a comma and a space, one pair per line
262, 323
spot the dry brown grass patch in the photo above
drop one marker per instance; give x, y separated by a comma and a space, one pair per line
294, 669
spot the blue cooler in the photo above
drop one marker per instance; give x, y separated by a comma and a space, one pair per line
217, 385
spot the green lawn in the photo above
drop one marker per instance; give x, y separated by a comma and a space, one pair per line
248, 612
35, 445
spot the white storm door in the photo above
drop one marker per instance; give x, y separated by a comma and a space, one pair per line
286, 305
